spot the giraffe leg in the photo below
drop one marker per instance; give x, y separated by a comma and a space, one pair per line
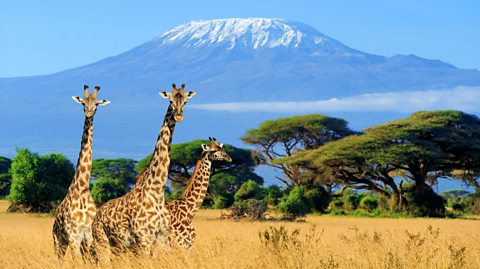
75, 246
60, 247
100, 249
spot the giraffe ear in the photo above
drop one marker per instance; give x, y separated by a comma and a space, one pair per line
103, 102
165, 94
191, 94
78, 99
205, 147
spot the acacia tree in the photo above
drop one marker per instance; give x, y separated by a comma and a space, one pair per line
285, 136
226, 178
421, 148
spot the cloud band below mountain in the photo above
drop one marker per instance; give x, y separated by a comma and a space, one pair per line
459, 98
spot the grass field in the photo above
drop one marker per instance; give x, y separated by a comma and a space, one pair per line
321, 242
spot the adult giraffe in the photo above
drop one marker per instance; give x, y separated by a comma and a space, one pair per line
138, 219
74, 217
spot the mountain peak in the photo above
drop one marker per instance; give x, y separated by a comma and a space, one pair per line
253, 33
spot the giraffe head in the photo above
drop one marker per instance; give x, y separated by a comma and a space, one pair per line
178, 98
214, 151
89, 101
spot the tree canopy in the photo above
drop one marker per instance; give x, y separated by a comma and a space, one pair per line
119, 169
37, 181
285, 136
421, 148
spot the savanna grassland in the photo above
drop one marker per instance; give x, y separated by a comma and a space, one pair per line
320, 242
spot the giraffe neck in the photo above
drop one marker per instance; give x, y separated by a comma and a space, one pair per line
81, 179
154, 177
196, 189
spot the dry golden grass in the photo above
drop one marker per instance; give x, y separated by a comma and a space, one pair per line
322, 242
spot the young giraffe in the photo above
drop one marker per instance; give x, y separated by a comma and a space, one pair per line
73, 219
183, 210
136, 220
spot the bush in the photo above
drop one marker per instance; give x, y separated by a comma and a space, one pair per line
248, 190
221, 202
104, 189
272, 195
369, 202
38, 182
295, 204
423, 202
318, 198
250, 208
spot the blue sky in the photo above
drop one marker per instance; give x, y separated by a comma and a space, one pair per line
42, 37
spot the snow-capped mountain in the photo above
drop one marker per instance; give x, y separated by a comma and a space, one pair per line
224, 60
251, 33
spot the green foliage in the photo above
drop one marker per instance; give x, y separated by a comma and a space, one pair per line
38, 181
369, 202
221, 202
104, 189
424, 202
5, 176
226, 184
295, 204
248, 190
120, 169
463, 202
319, 198
345, 201
272, 195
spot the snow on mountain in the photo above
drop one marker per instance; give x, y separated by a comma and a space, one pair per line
253, 32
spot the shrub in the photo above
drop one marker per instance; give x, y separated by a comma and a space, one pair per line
248, 190
251, 208
272, 195
295, 204
319, 198
369, 202
221, 202
104, 189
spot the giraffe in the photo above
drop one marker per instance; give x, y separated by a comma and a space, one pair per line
183, 210
73, 218
139, 218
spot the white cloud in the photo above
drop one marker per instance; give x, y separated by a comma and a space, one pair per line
459, 98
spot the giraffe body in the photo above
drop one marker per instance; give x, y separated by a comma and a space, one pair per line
138, 219
183, 210
72, 226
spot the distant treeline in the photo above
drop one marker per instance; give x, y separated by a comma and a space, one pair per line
388, 169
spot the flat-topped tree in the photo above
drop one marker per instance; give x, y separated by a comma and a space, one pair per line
420, 148
284, 136
138, 219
